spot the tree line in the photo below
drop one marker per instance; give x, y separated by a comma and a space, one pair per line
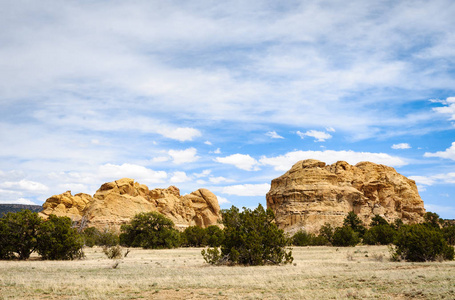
248, 237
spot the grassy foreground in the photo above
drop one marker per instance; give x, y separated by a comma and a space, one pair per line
363, 272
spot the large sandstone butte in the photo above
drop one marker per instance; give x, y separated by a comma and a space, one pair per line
312, 193
116, 202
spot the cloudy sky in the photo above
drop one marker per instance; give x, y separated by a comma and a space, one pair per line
223, 95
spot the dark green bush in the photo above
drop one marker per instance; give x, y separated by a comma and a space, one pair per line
150, 230
215, 236
448, 232
57, 240
251, 237
194, 236
345, 236
378, 220
421, 242
383, 234
302, 238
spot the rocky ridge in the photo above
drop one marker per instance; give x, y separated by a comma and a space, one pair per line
115, 203
312, 193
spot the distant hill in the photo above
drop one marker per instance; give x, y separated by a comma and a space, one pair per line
6, 208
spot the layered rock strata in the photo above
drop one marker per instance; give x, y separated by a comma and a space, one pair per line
115, 203
312, 193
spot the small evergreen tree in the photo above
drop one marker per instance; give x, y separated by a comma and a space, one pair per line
251, 237
383, 234
432, 219
353, 221
378, 220
57, 240
150, 230
448, 232
327, 231
18, 232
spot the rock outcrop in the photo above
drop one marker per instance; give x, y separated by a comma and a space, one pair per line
312, 193
116, 202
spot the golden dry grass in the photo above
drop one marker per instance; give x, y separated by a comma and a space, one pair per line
317, 273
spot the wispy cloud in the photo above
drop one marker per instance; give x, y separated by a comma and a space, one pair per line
274, 135
401, 146
320, 136
247, 189
241, 161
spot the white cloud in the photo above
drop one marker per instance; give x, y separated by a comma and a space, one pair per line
159, 159
25, 185
208, 143
184, 156
449, 109
443, 178
401, 146
320, 136
222, 200
285, 162
449, 153
247, 189
17, 201
423, 180
274, 135
139, 173
204, 173
220, 179
179, 177
330, 129
241, 161
181, 134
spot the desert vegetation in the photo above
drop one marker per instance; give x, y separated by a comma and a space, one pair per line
417, 264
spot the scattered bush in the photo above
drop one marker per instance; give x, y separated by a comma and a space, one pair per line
113, 252
448, 232
345, 236
150, 230
57, 240
92, 236
420, 242
251, 237
18, 232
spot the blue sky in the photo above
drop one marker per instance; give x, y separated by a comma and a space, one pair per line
223, 95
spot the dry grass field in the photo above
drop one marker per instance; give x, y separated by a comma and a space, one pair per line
363, 272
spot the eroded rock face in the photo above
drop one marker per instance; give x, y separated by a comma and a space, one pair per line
312, 193
116, 202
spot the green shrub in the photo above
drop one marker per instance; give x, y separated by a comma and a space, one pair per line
345, 236
449, 234
92, 236
150, 230
194, 236
215, 236
326, 232
302, 238
421, 242
18, 232
251, 237
57, 240
383, 234
378, 220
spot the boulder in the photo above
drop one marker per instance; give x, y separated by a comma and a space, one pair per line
115, 203
312, 193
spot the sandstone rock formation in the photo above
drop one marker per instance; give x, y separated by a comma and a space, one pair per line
312, 193
116, 202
